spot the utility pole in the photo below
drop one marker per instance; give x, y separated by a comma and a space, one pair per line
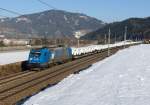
115, 38
125, 35
131, 38
109, 41
45, 40
78, 35
78, 42
142, 37
105, 39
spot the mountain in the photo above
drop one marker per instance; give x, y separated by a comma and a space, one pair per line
52, 23
136, 28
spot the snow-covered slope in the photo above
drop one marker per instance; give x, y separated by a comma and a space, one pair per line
122, 79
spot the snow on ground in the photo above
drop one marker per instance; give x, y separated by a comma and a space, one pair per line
122, 79
12, 57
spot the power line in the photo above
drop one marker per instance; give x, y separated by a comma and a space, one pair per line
17, 13
109, 33
125, 35
48, 5
10, 11
2, 16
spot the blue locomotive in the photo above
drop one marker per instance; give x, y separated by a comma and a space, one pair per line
43, 57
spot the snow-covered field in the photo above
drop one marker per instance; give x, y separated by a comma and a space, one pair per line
122, 79
12, 57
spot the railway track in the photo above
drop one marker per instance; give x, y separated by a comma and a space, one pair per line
18, 86
15, 76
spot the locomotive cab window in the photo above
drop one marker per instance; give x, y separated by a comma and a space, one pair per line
36, 54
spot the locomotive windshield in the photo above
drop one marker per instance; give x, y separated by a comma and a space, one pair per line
36, 54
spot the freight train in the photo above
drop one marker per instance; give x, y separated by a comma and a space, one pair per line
42, 57
45, 57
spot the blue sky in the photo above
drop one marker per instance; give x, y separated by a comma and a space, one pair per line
106, 10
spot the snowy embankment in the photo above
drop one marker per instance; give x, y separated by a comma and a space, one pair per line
122, 79
12, 57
